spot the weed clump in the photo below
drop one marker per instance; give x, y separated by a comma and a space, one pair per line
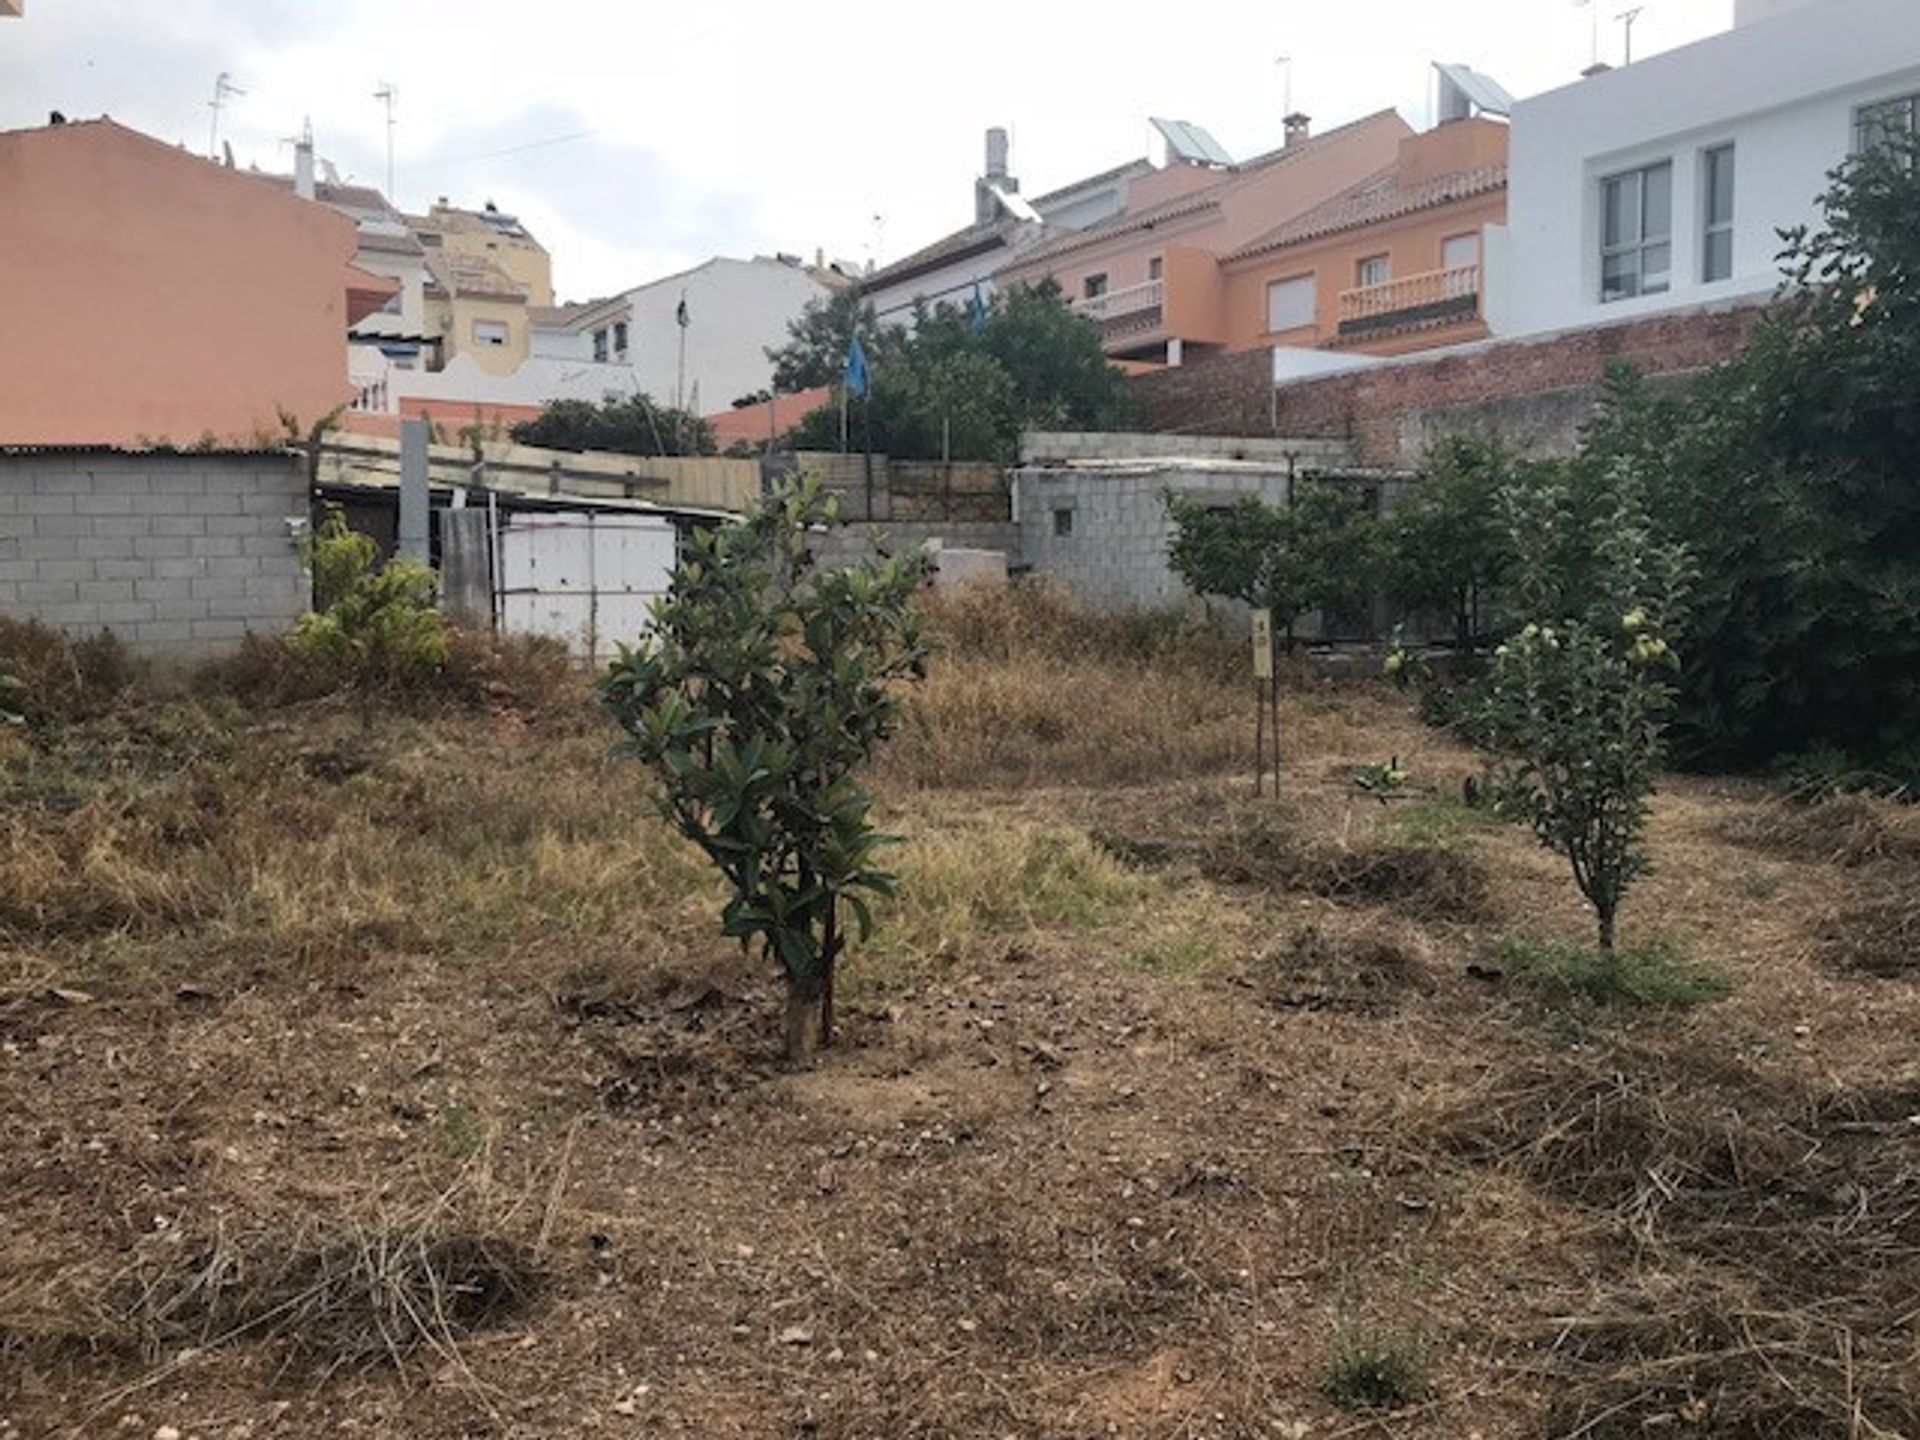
1361, 968
1373, 1372
1652, 976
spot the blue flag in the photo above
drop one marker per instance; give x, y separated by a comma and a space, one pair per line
854, 374
977, 312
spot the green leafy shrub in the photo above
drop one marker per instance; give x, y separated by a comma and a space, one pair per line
762, 688
375, 626
1574, 712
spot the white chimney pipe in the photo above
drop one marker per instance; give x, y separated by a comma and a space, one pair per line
303, 165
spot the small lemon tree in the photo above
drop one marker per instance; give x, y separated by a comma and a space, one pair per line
1575, 708
764, 685
372, 625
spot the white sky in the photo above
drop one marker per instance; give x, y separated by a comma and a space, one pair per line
645, 138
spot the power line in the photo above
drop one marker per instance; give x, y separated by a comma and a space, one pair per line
514, 149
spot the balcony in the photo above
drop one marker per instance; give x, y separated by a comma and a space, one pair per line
1132, 308
1436, 297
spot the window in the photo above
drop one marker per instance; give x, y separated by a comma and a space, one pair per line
1636, 232
1290, 303
1374, 270
1457, 252
1875, 125
1063, 522
600, 344
1156, 267
620, 337
489, 332
1716, 257
1093, 285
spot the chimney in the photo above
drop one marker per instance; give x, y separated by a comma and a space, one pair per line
303, 164
986, 208
1296, 127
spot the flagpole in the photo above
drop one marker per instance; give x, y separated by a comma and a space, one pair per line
843, 417
680, 375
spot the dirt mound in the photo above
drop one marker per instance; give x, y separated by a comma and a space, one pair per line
1876, 934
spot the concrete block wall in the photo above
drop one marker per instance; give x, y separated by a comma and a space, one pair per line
1113, 554
1039, 447
179, 554
852, 543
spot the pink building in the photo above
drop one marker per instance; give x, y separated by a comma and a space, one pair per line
151, 296
1151, 276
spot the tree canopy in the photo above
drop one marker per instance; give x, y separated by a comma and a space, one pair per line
952, 389
626, 424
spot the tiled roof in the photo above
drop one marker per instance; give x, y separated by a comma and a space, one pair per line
472, 275
389, 244
1379, 197
957, 246
1140, 166
1197, 200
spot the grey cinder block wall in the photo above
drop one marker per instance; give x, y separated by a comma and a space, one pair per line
180, 554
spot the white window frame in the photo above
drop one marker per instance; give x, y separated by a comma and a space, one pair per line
1870, 120
491, 333
1295, 287
1646, 280
1092, 287
1372, 270
1713, 227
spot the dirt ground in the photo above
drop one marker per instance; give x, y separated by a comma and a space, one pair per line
390, 1079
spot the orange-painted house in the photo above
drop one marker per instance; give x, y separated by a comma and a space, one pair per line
151, 296
1391, 265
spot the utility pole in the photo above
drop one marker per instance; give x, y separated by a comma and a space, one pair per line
1626, 19
386, 95
223, 90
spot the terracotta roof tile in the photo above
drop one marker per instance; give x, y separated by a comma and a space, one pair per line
1379, 197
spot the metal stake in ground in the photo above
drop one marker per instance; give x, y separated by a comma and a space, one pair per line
1266, 700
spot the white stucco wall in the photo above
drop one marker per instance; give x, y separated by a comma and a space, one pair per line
952, 283
1783, 88
737, 309
537, 381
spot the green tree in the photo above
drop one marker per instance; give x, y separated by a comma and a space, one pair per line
373, 626
626, 425
954, 389
762, 688
1789, 472
1319, 553
1575, 708
1445, 547
820, 336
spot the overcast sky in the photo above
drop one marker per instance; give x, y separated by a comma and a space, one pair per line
637, 138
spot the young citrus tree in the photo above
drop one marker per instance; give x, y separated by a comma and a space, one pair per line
373, 626
763, 686
1576, 705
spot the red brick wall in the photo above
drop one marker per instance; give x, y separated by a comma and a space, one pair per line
1537, 390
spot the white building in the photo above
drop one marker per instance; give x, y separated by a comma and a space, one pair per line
1004, 223
735, 311
1664, 184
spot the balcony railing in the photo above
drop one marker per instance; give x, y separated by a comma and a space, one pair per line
1436, 297
1128, 308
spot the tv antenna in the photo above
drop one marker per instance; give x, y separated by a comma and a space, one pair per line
1626, 19
387, 94
1593, 9
223, 90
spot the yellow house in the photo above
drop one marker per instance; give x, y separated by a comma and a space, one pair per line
488, 234
475, 308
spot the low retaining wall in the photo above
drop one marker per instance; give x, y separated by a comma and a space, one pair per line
178, 554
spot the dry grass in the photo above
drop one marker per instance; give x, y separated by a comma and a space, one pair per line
1839, 829
1155, 1104
1775, 1233
1878, 932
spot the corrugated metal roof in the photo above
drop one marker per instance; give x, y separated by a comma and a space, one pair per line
82, 447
